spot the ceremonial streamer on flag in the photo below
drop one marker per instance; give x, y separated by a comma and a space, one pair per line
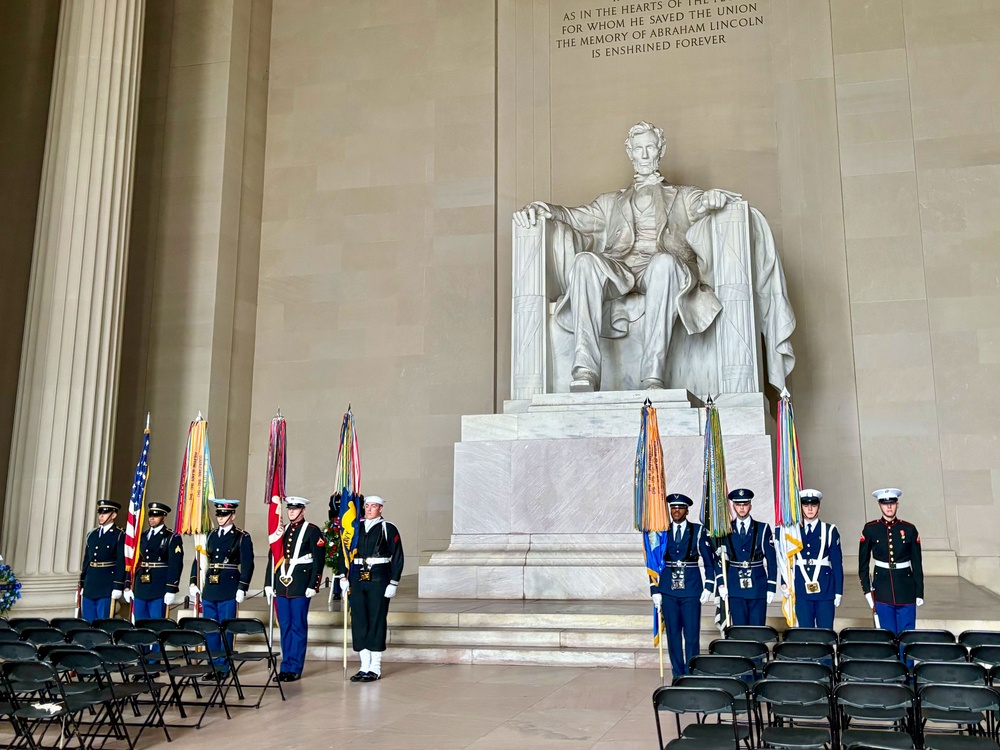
348, 481
787, 505
274, 487
196, 491
650, 512
136, 509
715, 510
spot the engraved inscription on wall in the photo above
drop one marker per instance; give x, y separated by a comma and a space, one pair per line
613, 28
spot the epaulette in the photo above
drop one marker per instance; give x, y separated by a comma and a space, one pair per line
877, 520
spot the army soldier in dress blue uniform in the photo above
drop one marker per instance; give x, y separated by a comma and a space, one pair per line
370, 584
819, 567
157, 576
681, 589
230, 568
894, 545
102, 578
297, 582
751, 572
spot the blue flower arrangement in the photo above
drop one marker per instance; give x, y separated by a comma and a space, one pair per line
10, 589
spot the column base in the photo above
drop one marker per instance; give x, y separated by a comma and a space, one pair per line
46, 595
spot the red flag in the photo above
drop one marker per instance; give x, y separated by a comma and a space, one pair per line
274, 487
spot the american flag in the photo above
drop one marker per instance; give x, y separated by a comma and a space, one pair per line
136, 511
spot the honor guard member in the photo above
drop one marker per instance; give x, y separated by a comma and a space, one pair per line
681, 589
102, 578
894, 546
370, 584
230, 568
751, 572
157, 575
298, 580
819, 567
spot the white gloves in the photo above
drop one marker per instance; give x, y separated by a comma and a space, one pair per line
723, 592
269, 592
784, 590
116, 594
770, 597
128, 596
193, 591
657, 600
706, 596
310, 593
920, 602
240, 596
345, 585
836, 600
390, 591
168, 598
870, 599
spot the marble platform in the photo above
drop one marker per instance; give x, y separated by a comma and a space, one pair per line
543, 494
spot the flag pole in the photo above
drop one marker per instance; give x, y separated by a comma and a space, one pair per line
659, 640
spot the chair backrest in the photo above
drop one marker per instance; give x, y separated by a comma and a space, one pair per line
788, 695
202, 624
117, 656
926, 636
112, 624
759, 633
963, 698
799, 670
76, 660
732, 685
716, 665
89, 637
809, 635
38, 636
47, 648
18, 651
874, 670
9, 636
4, 623
685, 700
20, 623
804, 651
950, 673
30, 675
755, 650
867, 651
68, 624
866, 635
184, 640
157, 624
935, 652
136, 637
986, 654
973, 638
874, 701
246, 626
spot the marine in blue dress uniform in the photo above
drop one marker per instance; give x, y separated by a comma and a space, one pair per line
681, 589
751, 574
157, 575
370, 584
297, 582
102, 578
230, 568
819, 567
897, 588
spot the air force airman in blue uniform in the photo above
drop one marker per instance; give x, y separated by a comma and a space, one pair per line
102, 578
819, 567
297, 582
897, 588
158, 571
681, 589
230, 568
751, 574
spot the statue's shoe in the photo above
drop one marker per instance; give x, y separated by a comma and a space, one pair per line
649, 383
584, 381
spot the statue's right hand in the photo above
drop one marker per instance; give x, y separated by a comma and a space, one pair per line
528, 216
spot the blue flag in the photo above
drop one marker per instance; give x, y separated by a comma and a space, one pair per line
655, 547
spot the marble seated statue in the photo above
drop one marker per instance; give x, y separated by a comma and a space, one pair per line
652, 286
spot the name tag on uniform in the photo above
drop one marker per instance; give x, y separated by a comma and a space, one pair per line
145, 578
213, 578
812, 588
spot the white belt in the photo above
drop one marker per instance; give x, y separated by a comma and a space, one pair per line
824, 562
371, 560
301, 560
746, 565
892, 566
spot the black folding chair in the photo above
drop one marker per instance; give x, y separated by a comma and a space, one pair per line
886, 671
249, 627
948, 710
921, 652
716, 665
184, 653
742, 706
799, 670
755, 651
9, 636
68, 624
18, 651
804, 651
134, 680
157, 624
867, 650
42, 636
20, 623
986, 654
875, 716
89, 637
866, 635
701, 702
87, 689
793, 714
972, 638
111, 625
809, 635
759, 633
39, 702
143, 640
950, 673
925, 636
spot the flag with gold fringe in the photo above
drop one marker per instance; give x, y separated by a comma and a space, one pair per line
274, 487
348, 483
715, 510
650, 501
787, 505
195, 494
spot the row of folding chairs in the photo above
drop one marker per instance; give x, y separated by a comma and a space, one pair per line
718, 713
760, 653
767, 634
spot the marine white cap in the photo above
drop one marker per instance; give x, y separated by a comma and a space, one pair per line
292, 501
374, 499
887, 494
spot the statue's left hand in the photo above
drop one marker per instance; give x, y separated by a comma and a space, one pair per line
713, 200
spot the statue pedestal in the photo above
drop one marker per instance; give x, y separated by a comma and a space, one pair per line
543, 498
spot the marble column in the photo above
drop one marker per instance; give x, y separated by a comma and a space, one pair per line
64, 418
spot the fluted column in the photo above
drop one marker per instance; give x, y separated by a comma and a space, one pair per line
64, 418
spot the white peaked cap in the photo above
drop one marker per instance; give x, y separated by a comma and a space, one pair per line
374, 499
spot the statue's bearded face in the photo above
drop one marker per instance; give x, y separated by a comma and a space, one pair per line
645, 153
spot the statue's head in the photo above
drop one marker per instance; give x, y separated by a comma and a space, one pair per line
645, 147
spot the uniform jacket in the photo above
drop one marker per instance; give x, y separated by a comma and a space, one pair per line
755, 547
894, 542
382, 541
162, 560
306, 570
830, 576
234, 551
680, 564
103, 567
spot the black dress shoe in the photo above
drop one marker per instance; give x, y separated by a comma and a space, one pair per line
282, 676
292, 677
359, 677
370, 677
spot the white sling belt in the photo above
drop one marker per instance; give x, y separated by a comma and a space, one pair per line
893, 565
285, 578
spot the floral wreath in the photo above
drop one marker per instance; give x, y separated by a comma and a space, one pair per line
331, 535
10, 588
